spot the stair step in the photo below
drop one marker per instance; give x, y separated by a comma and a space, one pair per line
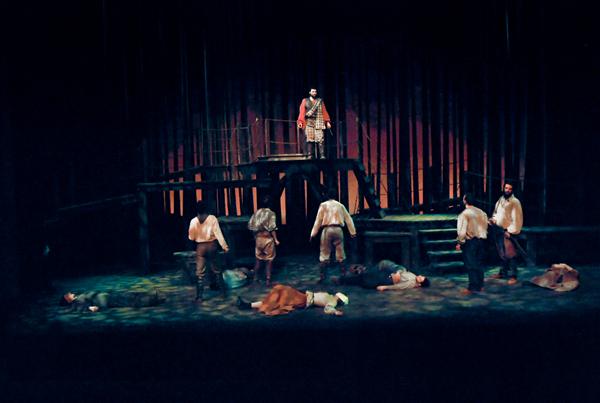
438, 234
439, 244
447, 266
444, 255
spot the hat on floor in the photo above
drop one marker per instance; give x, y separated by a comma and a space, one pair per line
343, 298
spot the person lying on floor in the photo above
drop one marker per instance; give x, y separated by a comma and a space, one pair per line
283, 299
94, 300
559, 277
385, 276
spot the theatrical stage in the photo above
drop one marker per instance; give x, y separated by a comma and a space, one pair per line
117, 118
427, 343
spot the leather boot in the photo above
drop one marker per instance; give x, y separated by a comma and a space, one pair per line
256, 273
241, 304
322, 272
199, 290
342, 268
321, 150
268, 273
222, 285
311, 149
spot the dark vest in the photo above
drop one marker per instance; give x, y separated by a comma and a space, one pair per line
309, 104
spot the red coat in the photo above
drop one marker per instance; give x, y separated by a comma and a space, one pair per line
302, 118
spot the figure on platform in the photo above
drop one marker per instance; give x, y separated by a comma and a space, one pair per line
472, 228
263, 225
505, 226
314, 118
93, 301
205, 232
385, 276
283, 299
331, 217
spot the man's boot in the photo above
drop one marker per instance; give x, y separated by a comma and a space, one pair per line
221, 284
268, 273
322, 272
199, 290
321, 150
312, 149
256, 272
342, 268
241, 304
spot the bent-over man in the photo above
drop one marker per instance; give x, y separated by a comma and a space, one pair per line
332, 217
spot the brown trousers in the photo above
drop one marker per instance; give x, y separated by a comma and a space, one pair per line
206, 253
332, 238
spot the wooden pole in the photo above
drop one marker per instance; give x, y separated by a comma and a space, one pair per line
144, 239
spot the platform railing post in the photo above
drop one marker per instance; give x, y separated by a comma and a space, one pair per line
143, 231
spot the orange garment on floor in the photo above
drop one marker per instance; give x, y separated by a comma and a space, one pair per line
281, 300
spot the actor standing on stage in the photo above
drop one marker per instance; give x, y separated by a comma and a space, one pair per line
205, 231
332, 216
313, 118
505, 225
263, 224
472, 231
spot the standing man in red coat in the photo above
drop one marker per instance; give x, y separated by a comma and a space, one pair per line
313, 118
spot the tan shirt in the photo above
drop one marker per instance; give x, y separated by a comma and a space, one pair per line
332, 212
407, 280
472, 223
263, 220
207, 231
508, 214
322, 299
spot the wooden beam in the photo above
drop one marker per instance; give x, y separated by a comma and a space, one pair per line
212, 185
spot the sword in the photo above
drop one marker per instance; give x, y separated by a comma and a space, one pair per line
522, 251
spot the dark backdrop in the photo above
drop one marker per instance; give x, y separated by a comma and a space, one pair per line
100, 95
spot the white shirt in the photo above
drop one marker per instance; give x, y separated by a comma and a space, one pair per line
332, 212
508, 214
472, 223
322, 299
407, 280
263, 220
207, 231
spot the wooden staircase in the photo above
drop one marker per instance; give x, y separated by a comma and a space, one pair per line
438, 245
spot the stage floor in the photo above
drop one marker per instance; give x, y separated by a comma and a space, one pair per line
442, 299
509, 343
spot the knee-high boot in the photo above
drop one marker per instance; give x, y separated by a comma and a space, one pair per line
342, 268
269, 268
321, 150
323, 271
222, 285
311, 145
199, 289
